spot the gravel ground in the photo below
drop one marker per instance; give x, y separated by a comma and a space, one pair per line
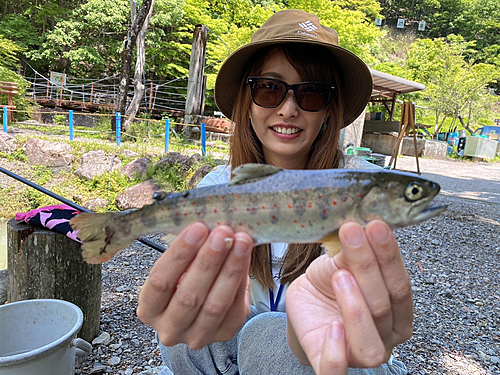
454, 265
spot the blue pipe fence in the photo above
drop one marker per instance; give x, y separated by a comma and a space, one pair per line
118, 133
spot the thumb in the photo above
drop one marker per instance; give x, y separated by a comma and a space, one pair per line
333, 354
320, 273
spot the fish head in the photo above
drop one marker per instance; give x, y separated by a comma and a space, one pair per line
400, 199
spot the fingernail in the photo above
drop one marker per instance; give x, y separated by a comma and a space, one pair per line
219, 241
353, 235
241, 247
194, 235
336, 331
344, 280
380, 234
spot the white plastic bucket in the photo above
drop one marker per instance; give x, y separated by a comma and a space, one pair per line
39, 337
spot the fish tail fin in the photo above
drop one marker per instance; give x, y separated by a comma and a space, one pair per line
99, 240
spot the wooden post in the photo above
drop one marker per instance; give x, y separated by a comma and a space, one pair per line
47, 264
195, 92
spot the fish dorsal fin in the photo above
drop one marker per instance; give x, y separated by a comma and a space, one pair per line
251, 172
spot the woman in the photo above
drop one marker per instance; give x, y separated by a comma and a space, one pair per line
290, 92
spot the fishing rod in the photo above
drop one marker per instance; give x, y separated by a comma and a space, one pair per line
72, 204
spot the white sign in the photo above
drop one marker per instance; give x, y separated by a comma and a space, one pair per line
58, 79
401, 23
421, 26
378, 22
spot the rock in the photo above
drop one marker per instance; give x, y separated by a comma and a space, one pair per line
136, 167
103, 339
55, 155
113, 361
130, 153
3, 286
7, 143
137, 196
183, 162
98, 368
95, 163
198, 176
95, 204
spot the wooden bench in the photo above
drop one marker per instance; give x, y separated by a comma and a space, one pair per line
10, 89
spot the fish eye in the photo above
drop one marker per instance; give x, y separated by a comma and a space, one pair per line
414, 192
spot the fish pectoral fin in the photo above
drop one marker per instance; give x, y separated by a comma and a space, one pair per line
168, 238
251, 172
331, 243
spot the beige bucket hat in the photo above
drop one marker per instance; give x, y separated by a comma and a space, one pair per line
297, 26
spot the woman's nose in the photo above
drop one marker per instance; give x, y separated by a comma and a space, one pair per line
289, 107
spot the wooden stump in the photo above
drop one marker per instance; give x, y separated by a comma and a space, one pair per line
47, 264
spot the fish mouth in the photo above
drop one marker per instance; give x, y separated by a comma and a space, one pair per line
429, 212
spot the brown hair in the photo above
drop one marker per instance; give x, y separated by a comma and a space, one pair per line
312, 63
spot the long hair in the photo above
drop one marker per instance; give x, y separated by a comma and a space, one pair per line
312, 63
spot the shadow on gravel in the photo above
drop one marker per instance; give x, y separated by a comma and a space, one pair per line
472, 188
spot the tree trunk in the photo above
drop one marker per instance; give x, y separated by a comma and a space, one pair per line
126, 56
47, 264
436, 134
196, 88
134, 105
466, 126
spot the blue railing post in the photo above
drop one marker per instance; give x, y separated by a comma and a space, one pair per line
5, 119
167, 134
118, 128
70, 116
203, 139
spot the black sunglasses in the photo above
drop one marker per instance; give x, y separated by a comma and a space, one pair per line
270, 93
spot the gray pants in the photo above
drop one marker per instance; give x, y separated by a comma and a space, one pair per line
259, 348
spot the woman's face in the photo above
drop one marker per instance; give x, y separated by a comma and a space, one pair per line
273, 125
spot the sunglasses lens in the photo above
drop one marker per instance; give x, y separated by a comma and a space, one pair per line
268, 93
313, 96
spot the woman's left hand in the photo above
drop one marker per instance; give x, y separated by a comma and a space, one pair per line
353, 309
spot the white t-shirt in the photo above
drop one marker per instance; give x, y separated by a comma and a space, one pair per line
261, 297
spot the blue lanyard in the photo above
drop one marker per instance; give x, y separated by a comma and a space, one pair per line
272, 302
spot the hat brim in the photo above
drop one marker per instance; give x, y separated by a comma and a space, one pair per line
356, 80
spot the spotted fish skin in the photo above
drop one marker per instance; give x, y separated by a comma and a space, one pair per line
270, 204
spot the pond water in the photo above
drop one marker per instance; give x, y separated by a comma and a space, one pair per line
3, 244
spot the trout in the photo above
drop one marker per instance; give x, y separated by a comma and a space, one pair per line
270, 204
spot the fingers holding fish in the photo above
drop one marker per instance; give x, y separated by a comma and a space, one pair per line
227, 303
395, 276
168, 271
192, 286
365, 346
372, 255
360, 259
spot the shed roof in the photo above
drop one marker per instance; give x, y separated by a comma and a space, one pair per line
387, 86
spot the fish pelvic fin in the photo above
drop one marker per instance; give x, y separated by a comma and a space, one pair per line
331, 243
99, 240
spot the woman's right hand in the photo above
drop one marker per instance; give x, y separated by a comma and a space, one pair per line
198, 291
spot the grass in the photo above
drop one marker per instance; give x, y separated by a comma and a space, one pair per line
20, 198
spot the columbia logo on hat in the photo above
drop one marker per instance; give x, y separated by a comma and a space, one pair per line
308, 26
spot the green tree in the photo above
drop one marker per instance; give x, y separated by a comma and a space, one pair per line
453, 84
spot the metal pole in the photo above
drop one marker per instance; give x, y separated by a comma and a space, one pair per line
118, 128
167, 134
203, 139
70, 203
70, 115
5, 119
